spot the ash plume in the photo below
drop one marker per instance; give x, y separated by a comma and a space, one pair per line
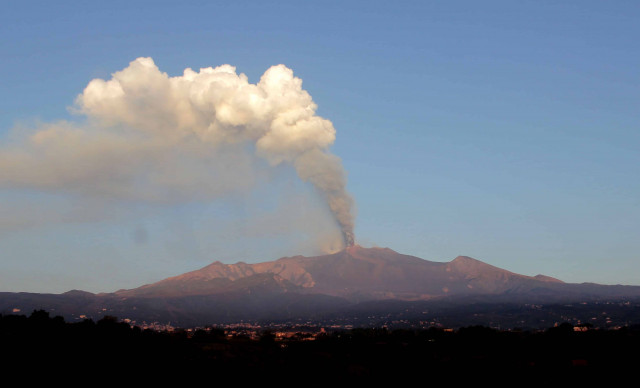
152, 137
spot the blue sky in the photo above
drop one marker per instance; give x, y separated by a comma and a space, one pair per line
506, 131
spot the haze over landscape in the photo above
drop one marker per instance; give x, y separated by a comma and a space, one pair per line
141, 142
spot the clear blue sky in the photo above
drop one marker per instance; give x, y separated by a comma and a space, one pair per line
505, 131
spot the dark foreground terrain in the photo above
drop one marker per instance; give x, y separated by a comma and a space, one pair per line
114, 349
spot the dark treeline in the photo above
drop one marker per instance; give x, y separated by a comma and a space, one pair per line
108, 346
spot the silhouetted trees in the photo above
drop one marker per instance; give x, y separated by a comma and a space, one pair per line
109, 346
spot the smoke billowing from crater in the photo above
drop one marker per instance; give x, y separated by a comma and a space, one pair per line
152, 137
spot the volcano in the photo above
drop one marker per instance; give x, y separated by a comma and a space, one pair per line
357, 281
357, 274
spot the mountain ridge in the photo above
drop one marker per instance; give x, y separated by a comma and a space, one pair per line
355, 282
356, 273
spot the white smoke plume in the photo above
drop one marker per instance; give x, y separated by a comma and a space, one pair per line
152, 137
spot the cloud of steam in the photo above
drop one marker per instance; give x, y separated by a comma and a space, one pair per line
152, 137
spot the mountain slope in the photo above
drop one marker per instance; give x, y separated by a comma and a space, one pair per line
356, 282
356, 273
